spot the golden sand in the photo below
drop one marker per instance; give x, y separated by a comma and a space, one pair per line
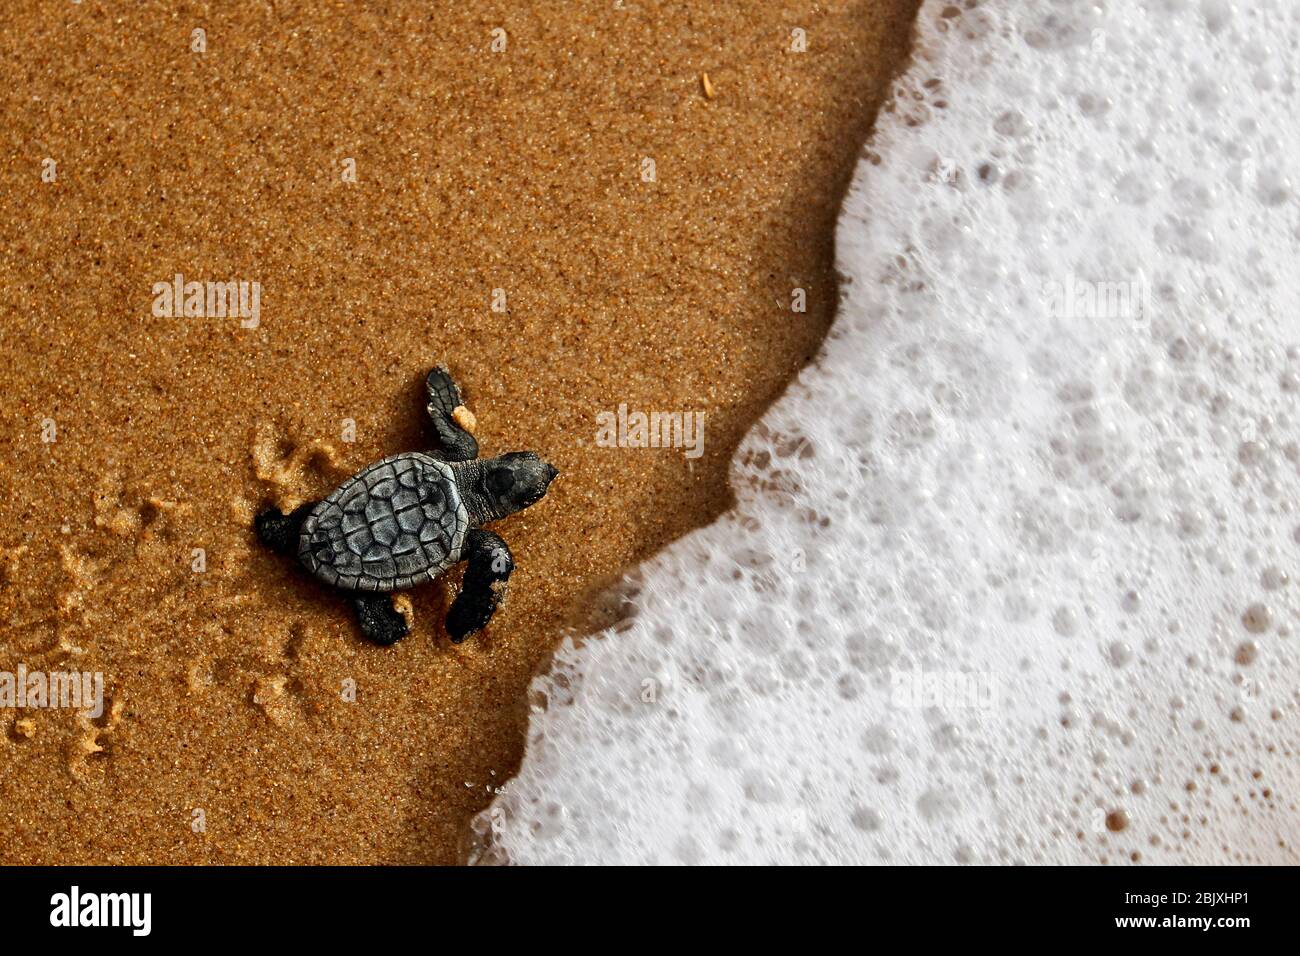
637, 188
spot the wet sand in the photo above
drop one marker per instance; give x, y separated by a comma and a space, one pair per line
133, 440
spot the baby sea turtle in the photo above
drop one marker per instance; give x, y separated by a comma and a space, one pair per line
408, 518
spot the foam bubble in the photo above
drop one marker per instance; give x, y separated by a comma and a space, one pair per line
1009, 577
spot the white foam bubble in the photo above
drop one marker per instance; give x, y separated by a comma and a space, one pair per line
1010, 575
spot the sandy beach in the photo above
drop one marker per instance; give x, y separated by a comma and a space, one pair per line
551, 198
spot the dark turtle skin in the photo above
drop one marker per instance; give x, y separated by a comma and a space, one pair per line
408, 518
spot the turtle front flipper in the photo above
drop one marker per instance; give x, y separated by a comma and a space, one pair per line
449, 416
484, 589
379, 621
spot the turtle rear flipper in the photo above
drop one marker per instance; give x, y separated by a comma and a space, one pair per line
444, 399
379, 620
279, 531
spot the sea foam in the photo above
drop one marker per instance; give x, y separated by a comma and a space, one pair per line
1009, 578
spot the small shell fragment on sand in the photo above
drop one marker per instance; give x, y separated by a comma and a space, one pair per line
463, 417
402, 602
708, 86
502, 590
267, 690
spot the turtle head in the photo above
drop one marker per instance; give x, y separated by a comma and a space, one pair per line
511, 483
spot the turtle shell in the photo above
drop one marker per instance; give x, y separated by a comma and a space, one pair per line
398, 523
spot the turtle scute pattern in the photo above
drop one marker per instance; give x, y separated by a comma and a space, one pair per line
397, 523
